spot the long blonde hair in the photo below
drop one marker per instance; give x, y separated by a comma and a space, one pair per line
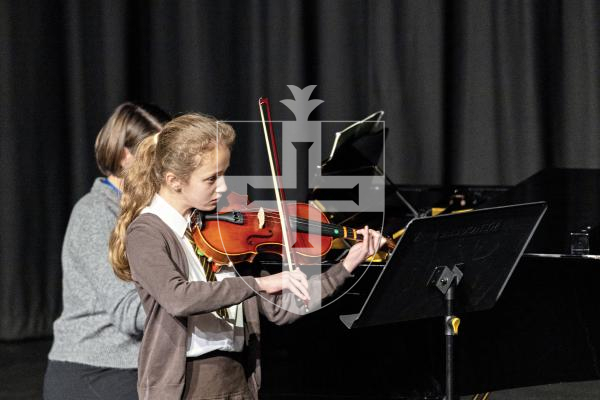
180, 147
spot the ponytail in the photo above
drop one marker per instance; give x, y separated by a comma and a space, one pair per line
180, 148
139, 186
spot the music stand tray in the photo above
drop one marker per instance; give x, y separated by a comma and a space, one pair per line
448, 264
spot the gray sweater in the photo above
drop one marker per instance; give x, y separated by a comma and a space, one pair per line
102, 319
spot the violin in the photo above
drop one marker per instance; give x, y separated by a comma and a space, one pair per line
241, 233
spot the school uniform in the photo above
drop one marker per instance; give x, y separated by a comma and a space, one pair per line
168, 367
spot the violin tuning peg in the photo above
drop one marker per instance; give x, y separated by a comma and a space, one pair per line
209, 259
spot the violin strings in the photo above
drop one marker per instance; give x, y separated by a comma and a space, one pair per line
275, 217
306, 224
269, 214
301, 222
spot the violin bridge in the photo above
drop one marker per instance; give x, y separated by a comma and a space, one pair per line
261, 218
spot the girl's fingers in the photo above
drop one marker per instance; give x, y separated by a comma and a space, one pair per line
360, 245
304, 290
289, 285
304, 295
295, 292
375, 242
371, 247
301, 276
382, 241
297, 286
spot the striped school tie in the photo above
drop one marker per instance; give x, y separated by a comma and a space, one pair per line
206, 267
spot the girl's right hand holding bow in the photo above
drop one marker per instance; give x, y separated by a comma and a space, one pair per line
295, 281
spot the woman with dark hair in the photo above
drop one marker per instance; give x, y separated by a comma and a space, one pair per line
98, 334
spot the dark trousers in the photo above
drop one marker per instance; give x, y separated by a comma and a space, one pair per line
66, 381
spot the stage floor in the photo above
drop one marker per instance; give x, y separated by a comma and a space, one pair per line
22, 366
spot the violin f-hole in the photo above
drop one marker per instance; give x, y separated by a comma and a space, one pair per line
259, 235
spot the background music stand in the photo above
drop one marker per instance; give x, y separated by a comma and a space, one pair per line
356, 150
353, 141
448, 264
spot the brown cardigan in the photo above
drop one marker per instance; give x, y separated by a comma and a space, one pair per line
159, 270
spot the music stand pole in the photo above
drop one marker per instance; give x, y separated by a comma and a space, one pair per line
446, 280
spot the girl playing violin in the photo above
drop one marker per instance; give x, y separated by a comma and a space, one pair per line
98, 334
202, 329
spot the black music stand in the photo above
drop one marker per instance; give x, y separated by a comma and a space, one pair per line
352, 147
356, 150
447, 265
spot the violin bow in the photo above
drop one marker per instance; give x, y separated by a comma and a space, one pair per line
271, 144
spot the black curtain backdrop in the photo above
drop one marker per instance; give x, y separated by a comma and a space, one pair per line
475, 92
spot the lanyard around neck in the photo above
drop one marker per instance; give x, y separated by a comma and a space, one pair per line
110, 185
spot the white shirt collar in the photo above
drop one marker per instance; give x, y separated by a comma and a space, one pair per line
169, 215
